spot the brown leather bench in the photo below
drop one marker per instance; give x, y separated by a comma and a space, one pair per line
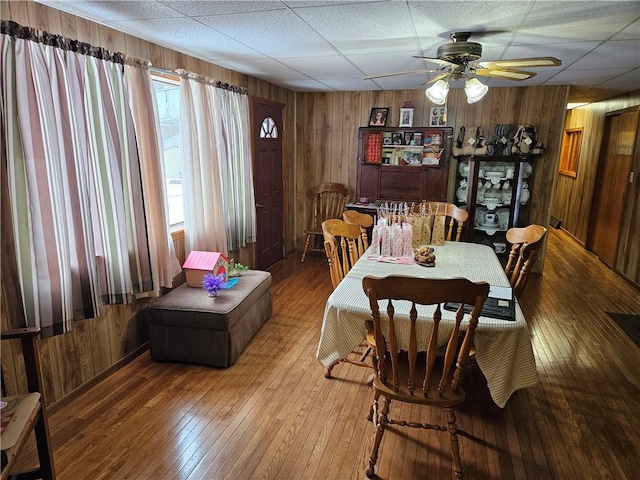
186, 325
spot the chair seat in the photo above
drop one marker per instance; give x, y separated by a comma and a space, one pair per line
449, 398
18, 418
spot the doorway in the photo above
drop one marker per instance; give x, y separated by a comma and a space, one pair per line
612, 182
267, 131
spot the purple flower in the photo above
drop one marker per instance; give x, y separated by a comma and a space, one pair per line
212, 283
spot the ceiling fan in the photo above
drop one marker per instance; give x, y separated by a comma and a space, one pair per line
457, 60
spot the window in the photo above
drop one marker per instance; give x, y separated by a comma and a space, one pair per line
167, 89
570, 157
269, 129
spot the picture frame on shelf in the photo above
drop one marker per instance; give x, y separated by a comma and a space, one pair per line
437, 117
378, 116
408, 137
397, 139
406, 117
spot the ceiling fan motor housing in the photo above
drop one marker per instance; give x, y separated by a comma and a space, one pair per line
460, 52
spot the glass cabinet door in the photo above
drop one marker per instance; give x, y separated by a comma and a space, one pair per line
495, 192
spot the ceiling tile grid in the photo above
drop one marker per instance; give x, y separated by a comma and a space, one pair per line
334, 45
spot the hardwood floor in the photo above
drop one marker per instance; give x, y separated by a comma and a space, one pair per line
274, 415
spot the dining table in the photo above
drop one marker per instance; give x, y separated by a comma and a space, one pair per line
503, 349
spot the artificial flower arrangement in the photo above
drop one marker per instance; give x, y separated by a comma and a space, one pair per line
213, 283
236, 269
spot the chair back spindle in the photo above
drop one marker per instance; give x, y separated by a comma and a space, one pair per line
456, 217
525, 244
327, 201
363, 220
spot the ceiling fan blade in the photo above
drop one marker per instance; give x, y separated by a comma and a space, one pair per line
437, 61
505, 73
408, 72
436, 78
521, 62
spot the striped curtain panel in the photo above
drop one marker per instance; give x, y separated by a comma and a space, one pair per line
233, 142
74, 183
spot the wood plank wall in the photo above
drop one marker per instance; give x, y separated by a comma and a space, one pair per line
573, 196
328, 122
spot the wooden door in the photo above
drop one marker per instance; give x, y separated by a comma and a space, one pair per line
614, 169
267, 131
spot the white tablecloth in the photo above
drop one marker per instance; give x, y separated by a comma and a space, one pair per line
503, 348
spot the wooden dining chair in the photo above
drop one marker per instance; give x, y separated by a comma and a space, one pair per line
25, 413
415, 373
455, 215
363, 220
342, 243
327, 201
525, 244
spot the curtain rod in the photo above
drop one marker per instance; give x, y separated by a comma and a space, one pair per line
13, 29
216, 83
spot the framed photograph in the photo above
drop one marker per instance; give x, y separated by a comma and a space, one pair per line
397, 139
437, 117
406, 117
378, 117
408, 136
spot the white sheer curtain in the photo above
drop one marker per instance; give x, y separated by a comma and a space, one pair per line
204, 219
164, 263
233, 140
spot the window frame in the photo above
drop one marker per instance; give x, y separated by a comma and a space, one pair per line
570, 153
176, 229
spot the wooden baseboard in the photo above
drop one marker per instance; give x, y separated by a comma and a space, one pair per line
56, 406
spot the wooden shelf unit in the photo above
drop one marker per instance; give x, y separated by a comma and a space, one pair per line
401, 172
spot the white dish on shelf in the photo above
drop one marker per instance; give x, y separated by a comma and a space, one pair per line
490, 224
524, 195
463, 168
491, 203
503, 216
495, 177
489, 230
461, 194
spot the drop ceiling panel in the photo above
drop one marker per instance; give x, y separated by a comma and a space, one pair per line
363, 28
202, 8
183, 33
107, 11
620, 82
558, 21
265, 68
275, 33
324, 67
608, 56
588, 78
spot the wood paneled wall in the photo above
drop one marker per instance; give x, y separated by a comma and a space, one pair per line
71, 360
573, 196
327, 132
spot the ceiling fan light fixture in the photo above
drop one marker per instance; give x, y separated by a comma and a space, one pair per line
437, 92
475, 90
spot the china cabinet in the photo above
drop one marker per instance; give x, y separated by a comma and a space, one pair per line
403, 164
496, 193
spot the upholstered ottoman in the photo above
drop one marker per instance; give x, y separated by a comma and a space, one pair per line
187, 325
